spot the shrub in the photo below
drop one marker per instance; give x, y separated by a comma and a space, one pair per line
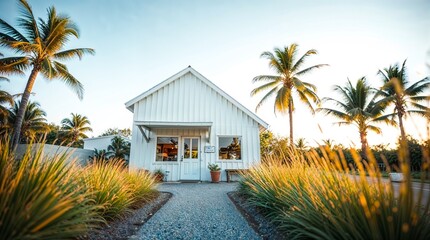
314, 196
39, 199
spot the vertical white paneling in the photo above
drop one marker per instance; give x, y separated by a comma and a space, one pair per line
188, 99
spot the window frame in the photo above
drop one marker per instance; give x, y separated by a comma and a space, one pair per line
218, 148
156, 146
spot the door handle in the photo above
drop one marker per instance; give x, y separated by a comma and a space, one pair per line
182, 158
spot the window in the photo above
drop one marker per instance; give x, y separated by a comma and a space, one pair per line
229, 148
167, 149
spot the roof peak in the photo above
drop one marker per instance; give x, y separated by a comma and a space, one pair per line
189, 69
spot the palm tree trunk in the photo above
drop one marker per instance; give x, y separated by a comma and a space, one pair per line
290, 115
402, 129
363, 139
22, 107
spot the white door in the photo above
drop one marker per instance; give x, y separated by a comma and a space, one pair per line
190, 160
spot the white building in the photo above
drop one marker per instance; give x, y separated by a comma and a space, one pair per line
186, 122
101, 143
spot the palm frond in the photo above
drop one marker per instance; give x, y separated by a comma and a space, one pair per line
309, 69
343, 123
71, 53
69, 79
336, 102
388, 119
264, 87
28, 22
11, 31
47, 70
336, 113
305, 99
266, 97
375, 129
273, 62
419, 106
298, 84
302, 59
309, 85
418, 87
420, 113
419, 98
13, 65
265, 78
282, 100
6, 97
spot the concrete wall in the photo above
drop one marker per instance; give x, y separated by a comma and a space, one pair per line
98, 143
101, 143
82, 155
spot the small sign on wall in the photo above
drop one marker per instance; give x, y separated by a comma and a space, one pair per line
209, 149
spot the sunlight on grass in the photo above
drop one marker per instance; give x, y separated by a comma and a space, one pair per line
315, 196
50, 197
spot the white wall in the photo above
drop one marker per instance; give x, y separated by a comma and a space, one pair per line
98, 143
191, 100
81, 155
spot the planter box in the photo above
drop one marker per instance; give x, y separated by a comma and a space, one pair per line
396, 177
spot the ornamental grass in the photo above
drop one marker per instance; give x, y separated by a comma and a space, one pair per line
39, 198
51, 197
312, 196
114, 189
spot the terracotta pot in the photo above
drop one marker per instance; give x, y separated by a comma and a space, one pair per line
215, 176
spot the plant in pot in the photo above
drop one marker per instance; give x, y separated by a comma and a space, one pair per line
215, 172
159, 175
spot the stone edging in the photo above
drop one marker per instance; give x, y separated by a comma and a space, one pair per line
128, 226
255, 219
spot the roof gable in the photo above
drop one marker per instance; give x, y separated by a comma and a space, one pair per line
189, 69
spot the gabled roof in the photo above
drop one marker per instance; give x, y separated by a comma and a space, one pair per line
189, 69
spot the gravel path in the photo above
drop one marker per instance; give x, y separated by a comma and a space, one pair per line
197, 211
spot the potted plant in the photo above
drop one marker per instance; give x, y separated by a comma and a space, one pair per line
215, 172
159, 175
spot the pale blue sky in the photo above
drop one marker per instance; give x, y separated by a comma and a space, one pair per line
140, 43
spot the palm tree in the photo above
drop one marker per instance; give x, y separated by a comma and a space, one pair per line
98, 155
10, 66
405, 97
34, 122
286, 82
41, 46
74, 128
119, 148
302, 144
328, 143
360, 108
5, 98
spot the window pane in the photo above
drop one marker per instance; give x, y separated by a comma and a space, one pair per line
195, 148
167, 149
186, 148
229, 148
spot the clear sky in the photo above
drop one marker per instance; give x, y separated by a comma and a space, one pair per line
141, 43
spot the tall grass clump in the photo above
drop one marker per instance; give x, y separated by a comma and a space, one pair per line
39, 198
51, 197
114, 189
314, 196
143, 184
